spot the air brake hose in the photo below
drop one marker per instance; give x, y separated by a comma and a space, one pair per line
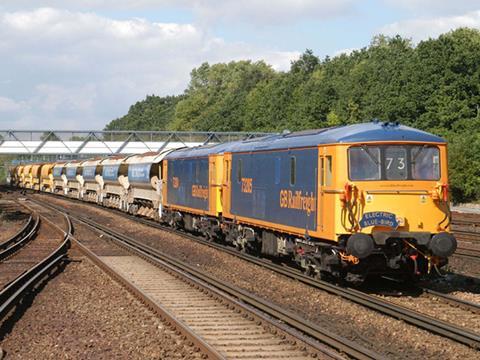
447, 215
351, 216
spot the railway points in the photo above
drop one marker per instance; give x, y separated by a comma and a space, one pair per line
28, 258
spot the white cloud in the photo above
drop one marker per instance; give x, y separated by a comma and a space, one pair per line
422, 28
438, 7
8, 105
209, 11
69, 69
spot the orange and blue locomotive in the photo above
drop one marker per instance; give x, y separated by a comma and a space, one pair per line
347, 201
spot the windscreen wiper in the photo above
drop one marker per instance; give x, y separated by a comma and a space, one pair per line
418, 153
367, 150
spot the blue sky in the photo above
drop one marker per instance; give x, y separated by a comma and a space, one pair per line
79, 64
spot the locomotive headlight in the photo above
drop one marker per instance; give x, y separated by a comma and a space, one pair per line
400, 220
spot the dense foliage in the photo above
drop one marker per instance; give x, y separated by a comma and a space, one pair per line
153, 113
432, 86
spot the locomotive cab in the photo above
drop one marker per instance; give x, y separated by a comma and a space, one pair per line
396, 206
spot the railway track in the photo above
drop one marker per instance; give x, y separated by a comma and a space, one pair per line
449, 329
448, 309
468, 252
21, 238
224, 321
453, 301
468, 234
10, 212
27, 258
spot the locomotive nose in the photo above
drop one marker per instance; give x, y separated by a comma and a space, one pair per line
442, 244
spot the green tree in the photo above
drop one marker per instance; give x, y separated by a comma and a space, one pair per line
216, 95
464, 166
153, 113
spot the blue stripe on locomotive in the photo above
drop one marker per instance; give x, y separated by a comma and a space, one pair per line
71, 173
188, 183
110, 172
139, 173
272, 197
89, 172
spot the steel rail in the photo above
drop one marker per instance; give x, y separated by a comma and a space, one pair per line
415, 318
20, 239
468, 305
464, 252
412, 317
136, 291
17, 289
467, 232
314, 331
146, 299
19, 235
461, 222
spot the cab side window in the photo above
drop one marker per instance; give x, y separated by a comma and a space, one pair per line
293, 170
239, 171
328, 171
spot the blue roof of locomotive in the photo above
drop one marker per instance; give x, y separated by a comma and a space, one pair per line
365, 132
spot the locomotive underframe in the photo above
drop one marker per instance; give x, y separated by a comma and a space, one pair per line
317, 257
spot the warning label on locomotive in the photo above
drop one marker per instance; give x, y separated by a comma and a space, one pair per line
297, 200
379, 218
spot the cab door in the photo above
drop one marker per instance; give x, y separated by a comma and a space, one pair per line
215, 183
326, 193
212, 183
226, 183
